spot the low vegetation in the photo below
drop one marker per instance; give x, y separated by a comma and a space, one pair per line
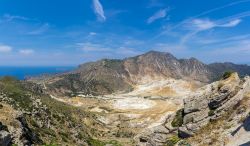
211, 113
178, 120
51, 121
227, 74
172, 141
95, 142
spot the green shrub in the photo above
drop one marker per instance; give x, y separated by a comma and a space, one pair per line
227, 74
178, 119
172, 141
51, 145
1, 106
14, 89
95, 142
211, 113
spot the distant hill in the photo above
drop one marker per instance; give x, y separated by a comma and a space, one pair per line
107, 76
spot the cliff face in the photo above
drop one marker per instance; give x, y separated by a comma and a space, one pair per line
109, 76
214, 115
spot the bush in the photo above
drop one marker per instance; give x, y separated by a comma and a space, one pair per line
178, 119
95, 142
227, 74
1, 106
50, 145
211, 113
172, 141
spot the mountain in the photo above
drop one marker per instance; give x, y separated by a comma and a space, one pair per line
111, 75
219, 68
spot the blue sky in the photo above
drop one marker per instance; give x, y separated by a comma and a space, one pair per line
66, 32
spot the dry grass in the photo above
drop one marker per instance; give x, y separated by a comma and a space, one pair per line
7, 116
209, 135
165, 91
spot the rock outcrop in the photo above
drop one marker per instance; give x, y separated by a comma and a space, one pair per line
5, 137
210, 104
220, 103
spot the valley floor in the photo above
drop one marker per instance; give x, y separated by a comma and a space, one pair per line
141, 112
126, 115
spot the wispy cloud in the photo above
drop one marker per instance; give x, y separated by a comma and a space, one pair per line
92, 33
204, 13
114, 12
240, 50
5, 48
43, 28
198, 25
125, 51
26, 51
206, 24
155, 3
9, 18
98, 9
92, 47
210, 11
158, 15
224, 39
104, 50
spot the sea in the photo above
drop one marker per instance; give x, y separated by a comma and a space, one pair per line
22, 73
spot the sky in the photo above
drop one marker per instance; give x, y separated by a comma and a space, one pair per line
71, 32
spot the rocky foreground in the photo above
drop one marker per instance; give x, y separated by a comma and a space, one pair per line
30, 117
217, 114
153, 99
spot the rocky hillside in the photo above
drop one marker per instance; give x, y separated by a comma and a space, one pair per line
108, 76
30, 117
218, 114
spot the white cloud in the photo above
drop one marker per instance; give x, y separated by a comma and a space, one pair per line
92, 33
90, 47
26, 51
158, 15
206, 24
233, 17
198, 25
5, 48
231, 23
238, 16
43, 28
201, 24
9, 18
98, 9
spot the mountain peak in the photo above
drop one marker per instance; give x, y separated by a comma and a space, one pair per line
157, 53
